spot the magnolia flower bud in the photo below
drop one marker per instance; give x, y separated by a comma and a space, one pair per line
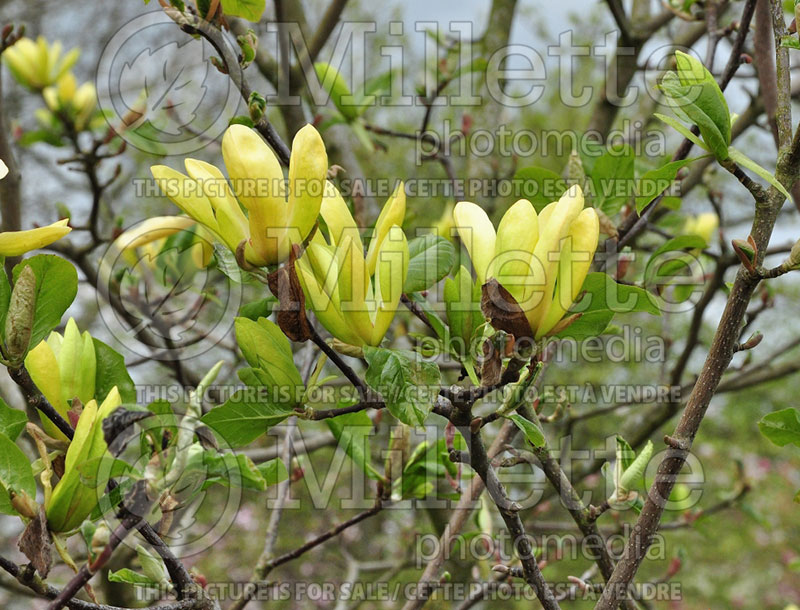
19, 320
793, 262
256, 106
73, 499
248, 43
746, 251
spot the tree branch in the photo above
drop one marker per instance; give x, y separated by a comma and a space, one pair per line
28, 578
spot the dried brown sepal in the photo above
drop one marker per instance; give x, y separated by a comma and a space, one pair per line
503, 312
492, 364
36, 544
291, 311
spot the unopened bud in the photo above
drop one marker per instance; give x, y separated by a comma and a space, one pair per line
346, 349
793, 262
249, 44
19, 322
100, 539
746, 251
575, 172
256, 106
23, 504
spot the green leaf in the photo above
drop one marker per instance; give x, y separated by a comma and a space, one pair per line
238, 470
430, 259
352, 431
12, 421
335, 85
128, 576
790, 42
273, 471
111, 371
243, 418
700, 105
745, 161
781, 427
625, 453
267, 349
682, 242
603, 292
16, 474
247, 9
152, 565
703, 90
632, 475
407, 383
56, 287
612, 176
529, 429
656, 181
538, 185
681, 129
258, 309
590, 324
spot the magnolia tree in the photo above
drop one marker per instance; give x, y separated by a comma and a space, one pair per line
405, 344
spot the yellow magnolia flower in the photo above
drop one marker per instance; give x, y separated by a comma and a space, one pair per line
354, 303
72, 499
703, 225
37, 65
280, 212
17, 243
63, 368
152, 230
66, 97
542, 260
147, 239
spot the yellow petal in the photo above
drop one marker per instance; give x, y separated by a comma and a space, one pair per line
69, 361
517, 235
186, 193
42, 365
320, 292
231, 221
353, 287
553, 229
16, 243
257, 181
3, 169
338, 218
152, 230
393, 213
67, 86
573, 266
308, 170
390, 275
478, 235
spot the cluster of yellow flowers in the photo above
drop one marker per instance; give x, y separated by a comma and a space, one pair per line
541, 259
41, 67
263, 214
